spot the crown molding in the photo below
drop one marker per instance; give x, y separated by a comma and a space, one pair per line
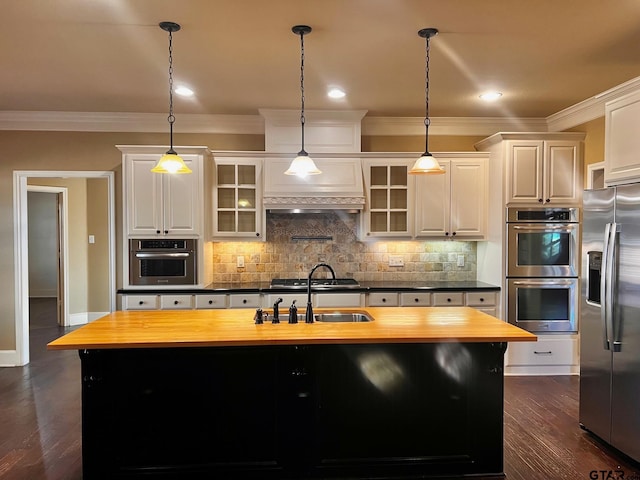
591, 108
577, 114
481, 126
129, 122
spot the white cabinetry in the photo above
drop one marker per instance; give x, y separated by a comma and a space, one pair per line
622, 142
162, 205
237, 199
389, 198
453, 204
550, 355
382, 299
140, 302
544, 172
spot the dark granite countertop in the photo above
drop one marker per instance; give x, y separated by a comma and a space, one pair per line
263, 287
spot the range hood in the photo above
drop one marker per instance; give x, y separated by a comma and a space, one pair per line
339, 187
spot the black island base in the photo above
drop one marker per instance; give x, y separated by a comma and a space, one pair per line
374, 411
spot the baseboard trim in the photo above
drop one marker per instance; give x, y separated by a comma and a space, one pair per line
85, 317
9, 358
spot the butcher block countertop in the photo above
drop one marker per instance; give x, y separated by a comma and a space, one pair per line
235, 327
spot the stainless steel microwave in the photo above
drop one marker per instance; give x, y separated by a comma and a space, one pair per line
155, 262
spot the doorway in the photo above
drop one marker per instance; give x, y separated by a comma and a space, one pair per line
73, 287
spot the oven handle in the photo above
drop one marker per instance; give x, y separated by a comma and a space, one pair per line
539, 283
530, 226
163, 255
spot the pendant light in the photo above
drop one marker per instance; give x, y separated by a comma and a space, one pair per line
303, 164
427, 163
170, 162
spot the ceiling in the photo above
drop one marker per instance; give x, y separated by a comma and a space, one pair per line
240, 55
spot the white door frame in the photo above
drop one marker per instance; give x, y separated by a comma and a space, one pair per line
63, 238
21, 257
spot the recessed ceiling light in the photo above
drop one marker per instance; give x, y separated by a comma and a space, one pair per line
490, 96
183, 91
336, 93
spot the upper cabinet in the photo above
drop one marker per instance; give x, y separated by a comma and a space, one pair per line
622, 142
162, 205
237, 198
389, 198
544, 172
453, 205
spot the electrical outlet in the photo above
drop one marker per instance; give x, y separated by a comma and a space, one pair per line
240, 261
461, 260
396, 261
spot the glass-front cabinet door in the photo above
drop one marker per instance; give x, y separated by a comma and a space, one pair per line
237, 198
389, 191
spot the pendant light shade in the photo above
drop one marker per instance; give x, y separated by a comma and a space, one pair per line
427, 163
303, 164
170, 162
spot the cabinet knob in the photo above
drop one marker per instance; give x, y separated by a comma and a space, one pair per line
384, 300
244, 300
416, 300
481, 299
257, 234
210, 302
539, 200
166, 231
548, 200
454, 234
449, 300
446, 234
176, 302
158, 231
141, 302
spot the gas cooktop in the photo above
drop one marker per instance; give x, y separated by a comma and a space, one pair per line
315, 283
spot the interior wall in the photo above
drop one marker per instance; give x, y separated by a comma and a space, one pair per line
43, 244
594, 141
92, 151
98, 252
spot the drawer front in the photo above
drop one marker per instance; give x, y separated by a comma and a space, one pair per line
490, 311
382, 299
176, 302
419, 299
140, 302
211, 301
542, 352
337, 300
251, 300
448, 299
481, 299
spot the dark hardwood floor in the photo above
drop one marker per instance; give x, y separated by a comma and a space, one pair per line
40, 422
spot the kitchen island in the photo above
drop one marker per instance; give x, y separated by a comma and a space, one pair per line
415, 393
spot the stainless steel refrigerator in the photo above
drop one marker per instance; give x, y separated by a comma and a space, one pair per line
610, 317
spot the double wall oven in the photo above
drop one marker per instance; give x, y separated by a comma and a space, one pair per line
543, 268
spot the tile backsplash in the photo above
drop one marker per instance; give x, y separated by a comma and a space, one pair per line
296, 242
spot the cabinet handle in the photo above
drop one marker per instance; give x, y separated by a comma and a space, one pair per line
548, 352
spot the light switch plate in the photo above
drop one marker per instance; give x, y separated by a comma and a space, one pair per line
461, 260
240, 261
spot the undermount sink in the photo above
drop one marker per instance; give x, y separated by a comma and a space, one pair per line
326, 317
342, 317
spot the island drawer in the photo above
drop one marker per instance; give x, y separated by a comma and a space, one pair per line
543, 352
211, 301
409, 299
382, 299
251, 300
448, 299
176, 302
139, 302
481, 299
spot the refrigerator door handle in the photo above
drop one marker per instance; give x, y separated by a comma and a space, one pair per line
606, 293
614, 320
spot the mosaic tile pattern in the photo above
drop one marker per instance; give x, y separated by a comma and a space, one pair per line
296, 242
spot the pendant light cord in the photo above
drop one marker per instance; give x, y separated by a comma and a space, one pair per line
302, 119
171, 118
427, 122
